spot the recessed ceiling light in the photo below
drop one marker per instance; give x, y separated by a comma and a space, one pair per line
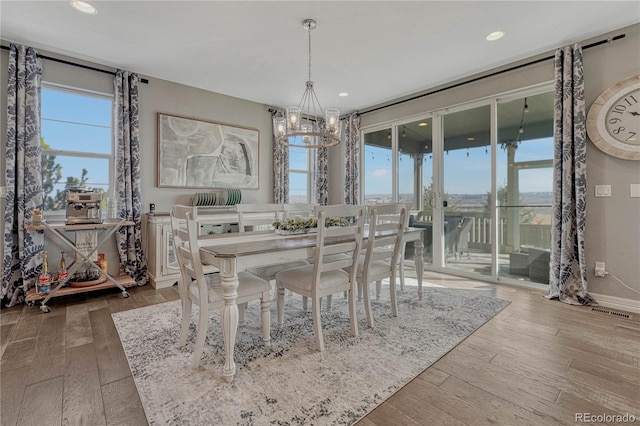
83, 7
423, 124
495, 35
343, 94
471, 138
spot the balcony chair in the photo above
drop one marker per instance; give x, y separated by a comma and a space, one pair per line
326, 275
206, 290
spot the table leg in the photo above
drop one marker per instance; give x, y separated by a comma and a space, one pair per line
229, 278
419, 261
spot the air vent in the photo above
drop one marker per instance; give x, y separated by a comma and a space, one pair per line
614, 313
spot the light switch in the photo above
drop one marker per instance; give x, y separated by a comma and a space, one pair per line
635, 190
603, 190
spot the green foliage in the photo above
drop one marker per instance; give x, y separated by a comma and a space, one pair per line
298, 223
52, 175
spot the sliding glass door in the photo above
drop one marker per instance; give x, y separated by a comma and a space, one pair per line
478, 180
466, 181
524, 188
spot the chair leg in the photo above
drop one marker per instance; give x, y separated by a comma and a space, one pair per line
352, 311
329, 299
367, 302
186, 320
317, 327
280, 306
201, 336
378, 289
305, 303
392, 288
265, 300
401, 266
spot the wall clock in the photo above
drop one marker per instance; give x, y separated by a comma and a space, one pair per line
613, 122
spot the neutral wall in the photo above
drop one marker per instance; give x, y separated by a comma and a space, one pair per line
613, 224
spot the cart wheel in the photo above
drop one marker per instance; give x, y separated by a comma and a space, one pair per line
45, 309
125, 294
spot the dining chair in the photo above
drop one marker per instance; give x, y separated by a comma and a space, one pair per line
383, 246
337, 247
263, 216
206, 290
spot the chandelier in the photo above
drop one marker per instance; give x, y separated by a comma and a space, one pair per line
306, 125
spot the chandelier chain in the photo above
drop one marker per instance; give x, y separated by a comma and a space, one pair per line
309, 30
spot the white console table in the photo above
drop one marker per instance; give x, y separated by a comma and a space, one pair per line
57, 230
162, 263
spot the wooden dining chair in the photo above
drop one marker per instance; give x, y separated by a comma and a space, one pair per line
251, 216
206, 290
336, 248
382, 249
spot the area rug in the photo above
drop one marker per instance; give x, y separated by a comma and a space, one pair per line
290, 383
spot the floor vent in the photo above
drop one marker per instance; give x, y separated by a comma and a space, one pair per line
614, 313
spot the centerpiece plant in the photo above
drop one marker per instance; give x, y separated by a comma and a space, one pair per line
300, 224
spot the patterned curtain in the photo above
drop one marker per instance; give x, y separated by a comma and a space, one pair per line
127, 157
20, 261
280, 167
567, 280
319, 175
352, 159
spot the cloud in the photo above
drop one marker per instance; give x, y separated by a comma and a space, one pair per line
380, 172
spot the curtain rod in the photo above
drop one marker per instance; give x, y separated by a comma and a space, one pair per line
75, 64
493, 74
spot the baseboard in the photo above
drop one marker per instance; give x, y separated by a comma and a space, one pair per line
619, 303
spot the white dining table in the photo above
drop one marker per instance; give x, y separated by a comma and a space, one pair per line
233, 253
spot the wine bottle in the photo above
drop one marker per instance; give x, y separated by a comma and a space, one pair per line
62, 270
44, 279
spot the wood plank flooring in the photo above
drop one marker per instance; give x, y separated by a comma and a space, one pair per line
538, 362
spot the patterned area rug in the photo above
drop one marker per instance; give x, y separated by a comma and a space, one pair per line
290, 383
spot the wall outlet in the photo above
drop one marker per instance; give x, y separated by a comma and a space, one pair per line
603, 190
600, 270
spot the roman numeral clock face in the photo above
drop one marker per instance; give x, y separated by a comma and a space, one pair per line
613, 122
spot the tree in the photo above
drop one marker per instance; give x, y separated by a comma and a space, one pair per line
51, 176
526, 213
428, 200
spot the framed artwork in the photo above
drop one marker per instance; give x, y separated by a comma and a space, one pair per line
195, 153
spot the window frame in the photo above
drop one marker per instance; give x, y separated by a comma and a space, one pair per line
308, 172
110, 157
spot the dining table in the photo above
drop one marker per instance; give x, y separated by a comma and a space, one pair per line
233, 253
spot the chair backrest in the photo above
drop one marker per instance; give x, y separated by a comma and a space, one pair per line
257, 215
192, 264
327, 255
180, 234
386, 231
297, 209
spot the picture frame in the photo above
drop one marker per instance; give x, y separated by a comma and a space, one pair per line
196, 153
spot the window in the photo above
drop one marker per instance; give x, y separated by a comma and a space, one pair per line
299, 175
77, 143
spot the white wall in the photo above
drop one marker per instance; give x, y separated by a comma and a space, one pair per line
613, 224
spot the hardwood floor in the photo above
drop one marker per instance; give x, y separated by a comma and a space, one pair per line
538, 362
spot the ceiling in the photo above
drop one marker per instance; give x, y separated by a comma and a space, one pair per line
377, 51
